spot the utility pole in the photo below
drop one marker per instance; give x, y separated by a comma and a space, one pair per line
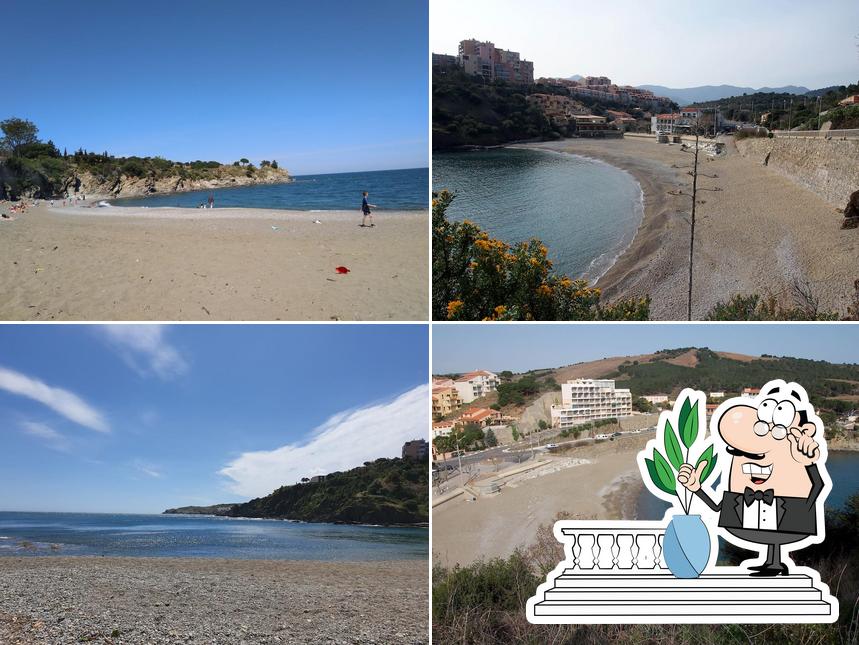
692, 233
458, 457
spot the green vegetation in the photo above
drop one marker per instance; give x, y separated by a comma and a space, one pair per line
484, 602
476, 277
385, 491
755, 307
468, 438
825, 382
467, 111
517, 392
802, 114
587, 427
29, 166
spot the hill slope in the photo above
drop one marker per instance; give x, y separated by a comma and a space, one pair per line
385, 491
686, 95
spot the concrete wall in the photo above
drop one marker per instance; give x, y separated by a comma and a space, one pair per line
829, 168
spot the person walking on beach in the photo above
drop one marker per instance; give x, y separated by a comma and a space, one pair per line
365, 209
211, 200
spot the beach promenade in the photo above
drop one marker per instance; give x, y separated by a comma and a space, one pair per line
53, 600
605, 487
214, 264
759, 233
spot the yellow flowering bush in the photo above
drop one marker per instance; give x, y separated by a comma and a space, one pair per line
476, 277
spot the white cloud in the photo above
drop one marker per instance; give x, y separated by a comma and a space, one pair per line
51, 437
146, 350
148, 469
59, 400
344, 441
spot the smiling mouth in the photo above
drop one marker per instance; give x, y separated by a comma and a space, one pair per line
758, 474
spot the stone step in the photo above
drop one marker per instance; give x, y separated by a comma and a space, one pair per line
762, 610
666, 580
711, 594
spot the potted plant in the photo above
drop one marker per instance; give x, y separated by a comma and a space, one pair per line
687, 544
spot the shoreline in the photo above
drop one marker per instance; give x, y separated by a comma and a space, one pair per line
139, 263
759, 233
170, 600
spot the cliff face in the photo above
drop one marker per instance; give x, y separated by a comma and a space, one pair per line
89, 184
55, 177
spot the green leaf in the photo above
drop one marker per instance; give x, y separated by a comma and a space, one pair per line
666, 475
689, 431
684, 414
672, 446
710, 458
654, 476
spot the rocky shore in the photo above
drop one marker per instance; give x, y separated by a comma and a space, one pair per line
54, 600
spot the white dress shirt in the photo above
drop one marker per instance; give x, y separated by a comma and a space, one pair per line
760, 515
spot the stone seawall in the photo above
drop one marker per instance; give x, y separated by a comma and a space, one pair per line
829, 168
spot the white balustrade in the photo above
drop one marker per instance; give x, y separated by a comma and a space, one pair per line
604, 547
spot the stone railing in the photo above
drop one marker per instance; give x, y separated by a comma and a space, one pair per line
606, 547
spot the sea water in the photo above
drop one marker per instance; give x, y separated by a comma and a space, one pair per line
842, 466
389, 190
196, 536
586, 212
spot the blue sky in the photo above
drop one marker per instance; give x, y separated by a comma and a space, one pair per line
144, 417
326, 86
461, 348
664, 42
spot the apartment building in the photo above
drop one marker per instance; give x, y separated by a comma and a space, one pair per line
482, 58
475, 384
561, 109
656, 398
588, 399
445, 399
442, 428
416, 449
481, 416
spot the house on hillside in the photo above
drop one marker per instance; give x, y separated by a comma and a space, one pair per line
475, 385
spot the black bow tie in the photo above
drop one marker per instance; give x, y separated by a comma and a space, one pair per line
750, 496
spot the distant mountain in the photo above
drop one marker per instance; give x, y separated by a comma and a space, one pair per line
575, 77
385, 491
684, 95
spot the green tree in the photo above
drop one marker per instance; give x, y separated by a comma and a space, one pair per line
641, 404
490, 438
274, 164
244, 161
18, 132
476, 277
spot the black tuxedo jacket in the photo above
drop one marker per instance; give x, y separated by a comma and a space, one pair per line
793, 514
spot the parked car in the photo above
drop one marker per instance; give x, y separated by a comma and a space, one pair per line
601, 436
551, 445
614, 435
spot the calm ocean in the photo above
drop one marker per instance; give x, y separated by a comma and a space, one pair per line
389, 190
843, 468
585, 211
195, 536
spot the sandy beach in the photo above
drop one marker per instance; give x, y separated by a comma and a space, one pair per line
495, 525
169, 600
214, 264
760, 234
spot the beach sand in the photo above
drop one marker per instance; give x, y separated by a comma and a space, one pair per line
760, 234
175, 600
214, 264
495, 525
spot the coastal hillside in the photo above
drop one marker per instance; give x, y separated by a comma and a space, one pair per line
832, 387
30, 167
465, 112
385, 491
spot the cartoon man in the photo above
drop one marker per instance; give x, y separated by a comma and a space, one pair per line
772, 490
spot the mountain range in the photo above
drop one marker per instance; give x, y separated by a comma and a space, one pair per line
701, 93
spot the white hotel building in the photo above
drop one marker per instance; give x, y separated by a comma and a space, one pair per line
473, 385
588, 399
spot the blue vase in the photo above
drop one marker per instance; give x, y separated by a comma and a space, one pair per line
686, 546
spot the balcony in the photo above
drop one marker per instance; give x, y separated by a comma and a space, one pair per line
614, 572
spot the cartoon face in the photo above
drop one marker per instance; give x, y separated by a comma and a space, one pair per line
757, 438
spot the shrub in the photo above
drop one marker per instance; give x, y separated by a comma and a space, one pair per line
476, 277
755, 307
